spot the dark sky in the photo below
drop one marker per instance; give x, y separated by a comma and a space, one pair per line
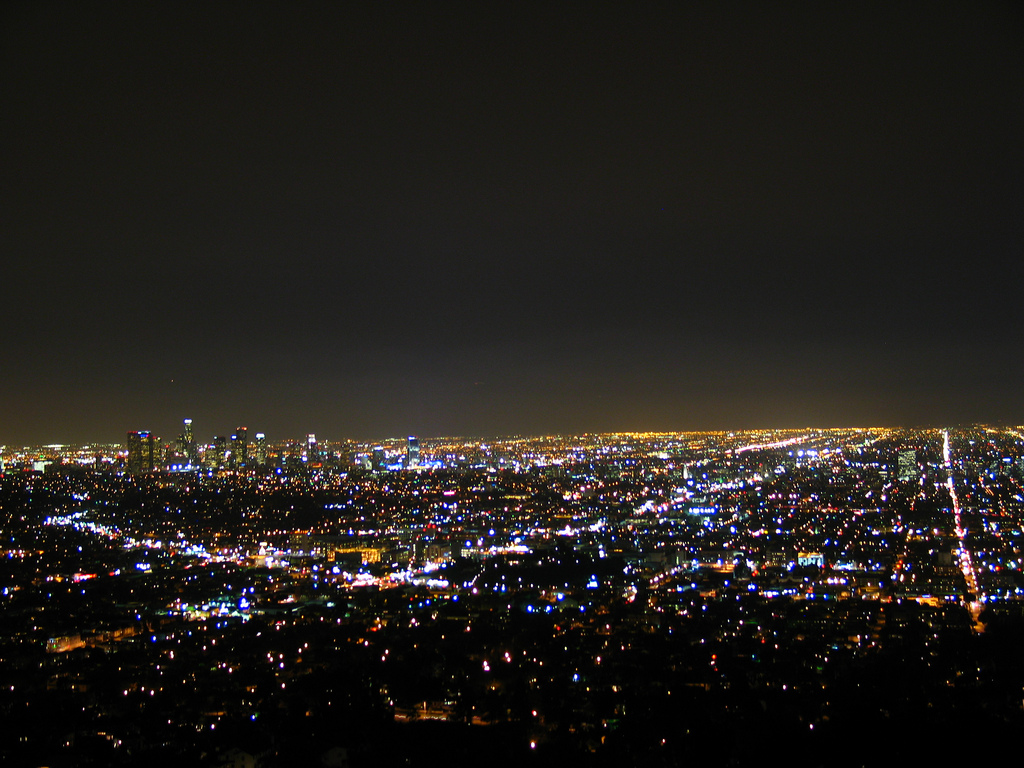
443, 218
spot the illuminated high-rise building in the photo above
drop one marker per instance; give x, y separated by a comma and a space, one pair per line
239, 448
377, 458
189, 447
217, 452
906, 466
261, 448
412, 452
312, 449
143, 453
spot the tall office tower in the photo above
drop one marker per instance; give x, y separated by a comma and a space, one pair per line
216, 453
189, 448
906, 466
377, 459
240, 447
412, 452
312, 449
261, 448
143, 453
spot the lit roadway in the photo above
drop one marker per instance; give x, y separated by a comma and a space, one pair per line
779, 444
961, 534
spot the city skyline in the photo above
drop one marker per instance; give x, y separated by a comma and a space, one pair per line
174, 435
372, 221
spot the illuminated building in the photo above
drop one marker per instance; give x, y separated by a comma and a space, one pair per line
412, 452
261, 448
143, 452
216, 452
239, 447
312, 449
189, 447
906, 467
810, 558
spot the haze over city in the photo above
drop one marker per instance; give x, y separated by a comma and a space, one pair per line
490, 219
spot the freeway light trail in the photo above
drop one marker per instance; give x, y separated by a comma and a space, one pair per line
764, 446
961, 533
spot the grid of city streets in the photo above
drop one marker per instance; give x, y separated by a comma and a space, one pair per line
609, 599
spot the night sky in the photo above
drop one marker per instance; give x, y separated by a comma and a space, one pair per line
486, 219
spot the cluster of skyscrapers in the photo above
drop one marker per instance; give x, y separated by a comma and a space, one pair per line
146, 452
